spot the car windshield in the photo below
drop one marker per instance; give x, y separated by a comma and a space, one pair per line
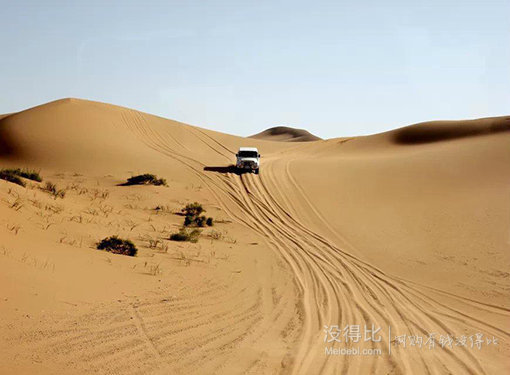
248, 154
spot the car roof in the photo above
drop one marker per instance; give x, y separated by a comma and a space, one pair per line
248, 149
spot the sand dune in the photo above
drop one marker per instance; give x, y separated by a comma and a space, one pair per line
286, 134
406, 230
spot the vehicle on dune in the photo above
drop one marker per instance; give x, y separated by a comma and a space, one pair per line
248, 159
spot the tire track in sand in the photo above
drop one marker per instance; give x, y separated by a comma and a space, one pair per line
336, 287
370, 294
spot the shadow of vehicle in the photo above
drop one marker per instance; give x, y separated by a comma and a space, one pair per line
227, 169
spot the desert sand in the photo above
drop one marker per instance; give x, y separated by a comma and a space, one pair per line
406, 230
286, 134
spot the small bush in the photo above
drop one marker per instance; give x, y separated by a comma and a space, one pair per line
188, 220
193, 209
200, 221
145, 179
194, 235
8, 176
52, 189
186, 235
117, 245
192, 212
181, 237
30, 174
192, 221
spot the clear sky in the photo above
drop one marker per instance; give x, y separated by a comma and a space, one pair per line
336, 68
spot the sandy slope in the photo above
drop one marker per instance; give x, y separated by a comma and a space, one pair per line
286, 134
407, 230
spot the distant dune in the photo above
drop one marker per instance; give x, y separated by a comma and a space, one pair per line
436, 131
286, 134
406, 230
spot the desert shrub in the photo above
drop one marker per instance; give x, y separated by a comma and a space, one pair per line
192, 213
117, 245
145, 179
30, 174
188, 220
200, 221
180, 236
195, 221
52, 189
8, 176
193, 209
186, 235
194, 235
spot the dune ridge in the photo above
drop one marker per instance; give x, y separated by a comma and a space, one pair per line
285, 134
408, 232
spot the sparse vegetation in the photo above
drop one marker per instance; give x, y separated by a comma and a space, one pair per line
14, 228
154, 243
180, 236
14, 175
117, 245
7, 176
216, 235
53, 208
193, 209
53, 190
154, 269
30, 174
145, 179
200, 221
188, 220
186, 235
192, 213
17, 204
99, 194
162, 208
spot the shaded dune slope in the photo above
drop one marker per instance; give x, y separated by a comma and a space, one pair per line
437, 131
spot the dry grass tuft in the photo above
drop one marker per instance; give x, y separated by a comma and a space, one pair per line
53, 190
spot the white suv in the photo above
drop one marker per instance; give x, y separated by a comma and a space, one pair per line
248, 158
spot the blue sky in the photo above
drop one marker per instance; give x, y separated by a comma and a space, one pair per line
336, 68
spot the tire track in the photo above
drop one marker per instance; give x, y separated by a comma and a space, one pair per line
333, 286
337, 287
